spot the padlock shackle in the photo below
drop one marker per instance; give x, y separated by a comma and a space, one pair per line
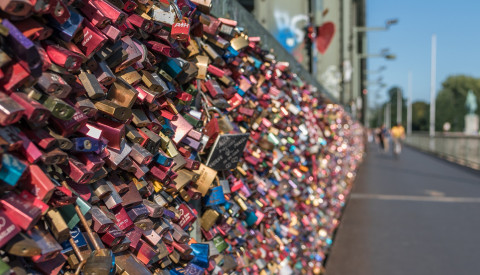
85, 225
79, 255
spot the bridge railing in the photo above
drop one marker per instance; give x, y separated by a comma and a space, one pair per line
457, 147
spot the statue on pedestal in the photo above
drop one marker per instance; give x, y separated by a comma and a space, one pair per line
471, 119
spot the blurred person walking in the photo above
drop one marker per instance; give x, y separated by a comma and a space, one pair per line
383, 136
398, 135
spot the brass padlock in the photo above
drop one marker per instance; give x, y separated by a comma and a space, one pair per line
58, 227
122, 93
112, 109
91, 85
209, 219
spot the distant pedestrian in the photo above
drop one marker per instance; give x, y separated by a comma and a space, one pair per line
383, 138
398, 135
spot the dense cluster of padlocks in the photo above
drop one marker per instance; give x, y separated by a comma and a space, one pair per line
149, 137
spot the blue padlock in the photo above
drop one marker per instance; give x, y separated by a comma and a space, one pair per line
69, 29
12, 169
215, 196
85, 144
163, 160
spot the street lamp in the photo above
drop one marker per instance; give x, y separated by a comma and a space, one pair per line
385, 54
388, 23
381, 69
357, 57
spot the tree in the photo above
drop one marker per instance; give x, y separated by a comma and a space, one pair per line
450, 102
420, 116
378, 117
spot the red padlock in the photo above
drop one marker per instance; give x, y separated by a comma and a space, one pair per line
181, 30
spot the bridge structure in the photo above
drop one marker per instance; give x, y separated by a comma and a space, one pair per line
412, 214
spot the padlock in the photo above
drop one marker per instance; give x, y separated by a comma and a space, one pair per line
138, 212
20, 245
214, 89
132, 197
101, 223
20, 211
33, 30
101, 189
54, 156
18, 76
63, 57
91, 85
95, 15
116, 16
114, 110
91, 161
130, 76
56, 106
204, 5
122, 94
140, 22
39, 183
58, 227
120, 247
181, 29
17, 7
10, 111
113, 200
128, 265
8, 230
113, 236
33, 111
25, 50
69, 29
49, 246
77, 171
153, 82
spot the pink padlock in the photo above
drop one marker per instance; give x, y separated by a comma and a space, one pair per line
181, 30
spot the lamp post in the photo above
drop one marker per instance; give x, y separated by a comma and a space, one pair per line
357, 57
368, 84
364, 109
399, 106
409, 105
433, 76
388, 115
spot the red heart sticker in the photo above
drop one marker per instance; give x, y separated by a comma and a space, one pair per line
325, 35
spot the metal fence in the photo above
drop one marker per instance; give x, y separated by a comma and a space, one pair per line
456, 147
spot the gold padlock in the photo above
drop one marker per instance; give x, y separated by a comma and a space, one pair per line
112, 109
209, 218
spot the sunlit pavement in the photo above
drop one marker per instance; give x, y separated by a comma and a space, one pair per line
413, 215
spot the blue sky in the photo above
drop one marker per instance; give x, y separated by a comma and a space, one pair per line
457, 26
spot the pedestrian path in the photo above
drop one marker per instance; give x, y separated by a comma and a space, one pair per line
413, 215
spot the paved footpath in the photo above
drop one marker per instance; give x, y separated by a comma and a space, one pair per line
413, 215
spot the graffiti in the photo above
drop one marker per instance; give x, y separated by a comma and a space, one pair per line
290, 29
331, 80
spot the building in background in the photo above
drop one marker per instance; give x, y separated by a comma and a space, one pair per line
321, 35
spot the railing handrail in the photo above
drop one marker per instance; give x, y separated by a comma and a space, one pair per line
457, 147
446, 135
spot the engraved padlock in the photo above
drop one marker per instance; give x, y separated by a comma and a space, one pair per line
181, 29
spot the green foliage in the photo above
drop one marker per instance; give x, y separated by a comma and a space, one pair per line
420, 116
450, 102
450, 106
378, 116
